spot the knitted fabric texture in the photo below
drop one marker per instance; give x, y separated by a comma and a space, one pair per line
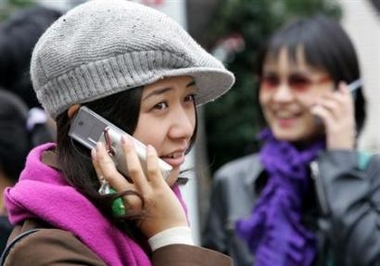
103, 47
274, 232
71, 211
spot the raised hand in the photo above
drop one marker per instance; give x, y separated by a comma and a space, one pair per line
159, 203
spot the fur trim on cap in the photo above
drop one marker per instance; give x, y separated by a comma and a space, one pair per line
103, 47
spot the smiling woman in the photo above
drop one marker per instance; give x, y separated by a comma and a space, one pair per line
140, 71
168, 105
288, 90
308, 197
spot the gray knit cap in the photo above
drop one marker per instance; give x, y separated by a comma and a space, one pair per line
103, 47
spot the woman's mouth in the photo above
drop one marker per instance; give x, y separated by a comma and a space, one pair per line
174, 159
286, 119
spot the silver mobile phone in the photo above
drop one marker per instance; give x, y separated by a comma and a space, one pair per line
354, 86
89, 128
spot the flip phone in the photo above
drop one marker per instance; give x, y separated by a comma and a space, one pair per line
88, 128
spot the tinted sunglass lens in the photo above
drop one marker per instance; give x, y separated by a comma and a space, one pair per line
270, 81
299, 81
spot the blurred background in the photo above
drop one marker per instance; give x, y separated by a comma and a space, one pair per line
233, 31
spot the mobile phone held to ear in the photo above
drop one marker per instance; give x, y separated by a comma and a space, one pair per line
88, 128
354, 86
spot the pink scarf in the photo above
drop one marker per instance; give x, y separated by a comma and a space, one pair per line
44, 194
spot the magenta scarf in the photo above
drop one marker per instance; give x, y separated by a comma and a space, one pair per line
274, 231
44, 194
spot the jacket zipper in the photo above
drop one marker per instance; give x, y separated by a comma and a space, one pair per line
321, 193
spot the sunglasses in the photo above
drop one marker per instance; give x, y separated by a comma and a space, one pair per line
296, 81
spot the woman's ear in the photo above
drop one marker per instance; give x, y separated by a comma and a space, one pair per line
73, 110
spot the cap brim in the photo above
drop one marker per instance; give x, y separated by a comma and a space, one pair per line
212, 82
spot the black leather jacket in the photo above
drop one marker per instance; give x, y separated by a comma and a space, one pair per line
344, 210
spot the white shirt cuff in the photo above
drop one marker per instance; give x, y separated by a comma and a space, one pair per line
175, 235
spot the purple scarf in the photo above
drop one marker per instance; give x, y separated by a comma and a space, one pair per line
43, 193
274, 232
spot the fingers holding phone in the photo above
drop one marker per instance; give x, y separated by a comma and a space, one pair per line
336, 110
162, 210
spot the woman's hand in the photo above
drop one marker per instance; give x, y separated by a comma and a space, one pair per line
337, 113
161, 207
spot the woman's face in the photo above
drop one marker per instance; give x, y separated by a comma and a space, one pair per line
167, 117
287, 91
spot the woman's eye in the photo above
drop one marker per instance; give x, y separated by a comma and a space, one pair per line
270, 81
190, 98
161, 106
299, 82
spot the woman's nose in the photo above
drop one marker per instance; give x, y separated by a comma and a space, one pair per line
283, 93
183, 124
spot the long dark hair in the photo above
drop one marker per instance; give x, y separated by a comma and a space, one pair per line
326, 46
121, 109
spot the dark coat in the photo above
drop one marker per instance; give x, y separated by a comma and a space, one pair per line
5, 231
344, 207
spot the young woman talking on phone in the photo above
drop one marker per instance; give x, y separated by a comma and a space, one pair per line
309, 197
138, 69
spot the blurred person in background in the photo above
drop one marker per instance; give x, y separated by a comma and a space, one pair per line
20, 131
18, 35
23, 123
309, 197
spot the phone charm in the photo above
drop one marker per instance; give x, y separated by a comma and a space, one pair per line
118, 207
104, 187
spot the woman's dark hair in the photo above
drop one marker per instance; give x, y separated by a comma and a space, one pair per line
326, 46
121, 109
16, 139
18, 36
